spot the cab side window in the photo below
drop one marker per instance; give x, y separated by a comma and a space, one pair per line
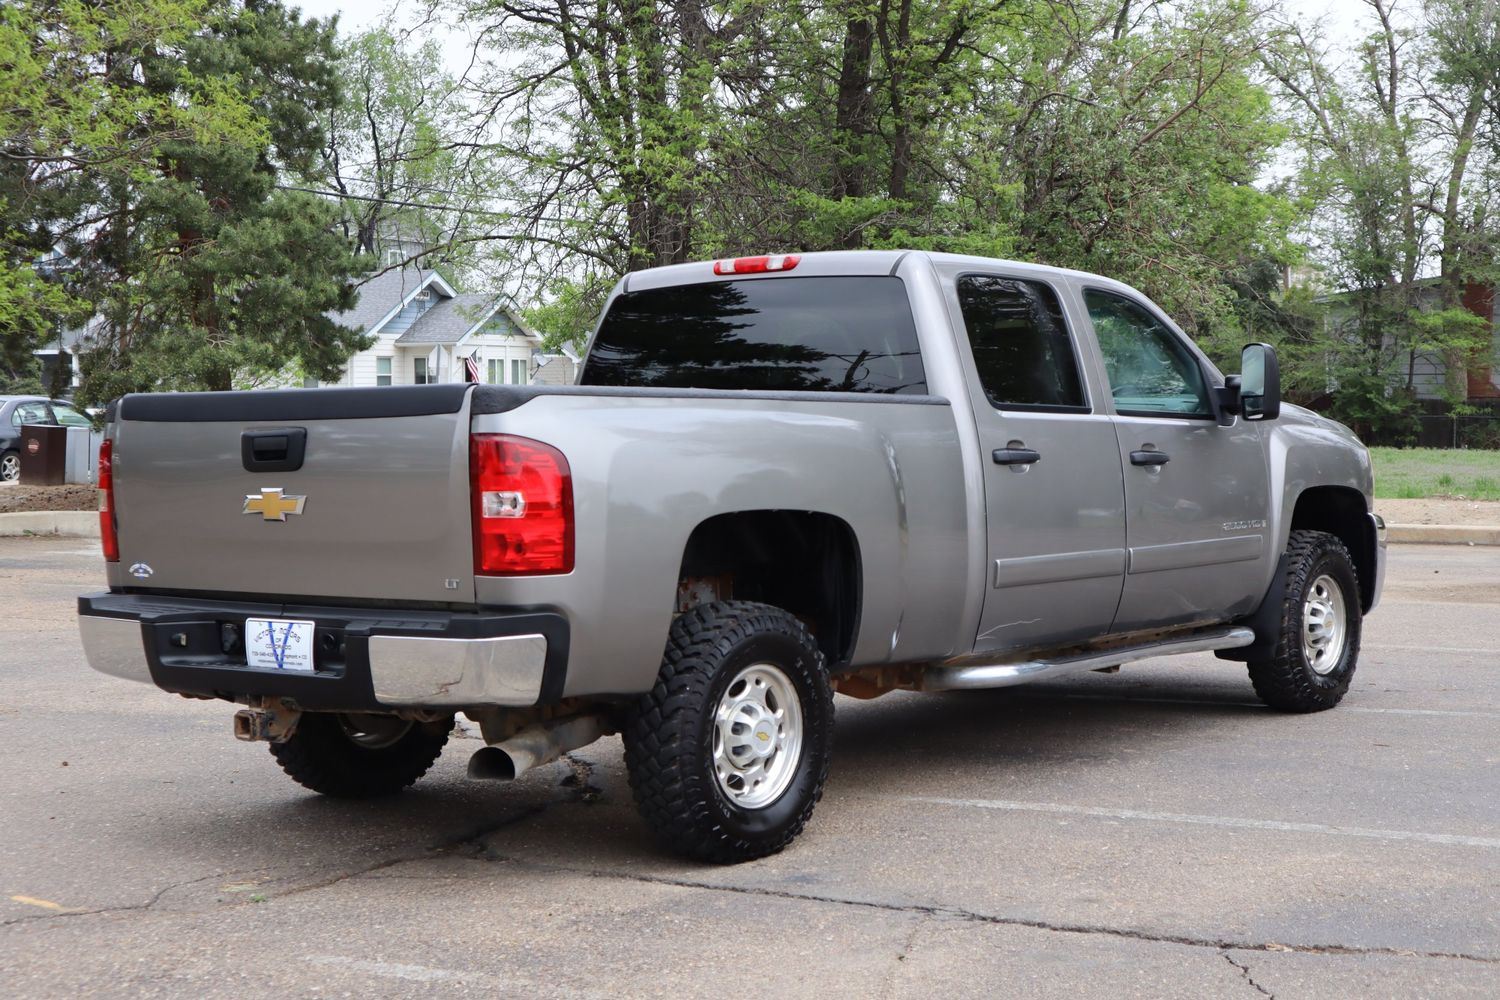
1020, 344
30, 413
1151, 371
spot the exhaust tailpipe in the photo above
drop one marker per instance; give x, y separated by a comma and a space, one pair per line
535, 746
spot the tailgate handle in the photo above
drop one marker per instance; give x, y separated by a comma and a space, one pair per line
276, 450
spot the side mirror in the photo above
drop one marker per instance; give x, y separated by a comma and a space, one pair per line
1260, 383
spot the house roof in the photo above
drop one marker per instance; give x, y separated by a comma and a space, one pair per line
383, 295
450, 320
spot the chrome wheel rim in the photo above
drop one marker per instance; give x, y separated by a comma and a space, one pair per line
757, 736
1324, 625
373, 732
10, 467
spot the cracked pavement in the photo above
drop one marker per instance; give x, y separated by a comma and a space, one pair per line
1152, 833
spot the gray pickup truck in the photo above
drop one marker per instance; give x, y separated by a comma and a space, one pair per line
779, 478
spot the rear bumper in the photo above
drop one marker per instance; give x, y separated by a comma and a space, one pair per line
366, 658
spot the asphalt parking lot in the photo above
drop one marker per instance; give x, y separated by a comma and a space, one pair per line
1153, 833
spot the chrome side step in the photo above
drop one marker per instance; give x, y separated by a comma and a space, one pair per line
969, 678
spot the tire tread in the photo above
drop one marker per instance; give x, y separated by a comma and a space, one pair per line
1283, 682
672, 796
319, 757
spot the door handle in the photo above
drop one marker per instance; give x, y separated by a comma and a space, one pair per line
1016, 456
1149, 458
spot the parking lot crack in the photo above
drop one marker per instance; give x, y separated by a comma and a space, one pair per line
960, 914
122, 908
1245, 971
891, 980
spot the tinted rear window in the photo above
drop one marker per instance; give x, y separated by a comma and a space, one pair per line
1020, 343
838, 334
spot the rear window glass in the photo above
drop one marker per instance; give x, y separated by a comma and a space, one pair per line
827, 334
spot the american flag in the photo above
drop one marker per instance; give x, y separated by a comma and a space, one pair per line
471, 369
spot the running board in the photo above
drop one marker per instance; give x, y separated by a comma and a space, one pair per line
970, 678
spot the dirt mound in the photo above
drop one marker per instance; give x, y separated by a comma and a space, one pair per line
73, 496
1434, 510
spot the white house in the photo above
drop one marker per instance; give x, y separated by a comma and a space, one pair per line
425, 331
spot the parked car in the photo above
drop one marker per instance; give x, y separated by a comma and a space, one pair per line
18, 410
778, 477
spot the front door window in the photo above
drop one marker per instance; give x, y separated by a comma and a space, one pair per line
1151, 371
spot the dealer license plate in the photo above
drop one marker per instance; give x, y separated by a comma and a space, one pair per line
279, 644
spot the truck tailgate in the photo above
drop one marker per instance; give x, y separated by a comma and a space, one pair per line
378, 509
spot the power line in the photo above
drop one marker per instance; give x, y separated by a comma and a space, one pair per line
398, 203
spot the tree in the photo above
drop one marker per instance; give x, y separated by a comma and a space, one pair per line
146, 139
1104, 134
64, 116
401, 154
1400, 163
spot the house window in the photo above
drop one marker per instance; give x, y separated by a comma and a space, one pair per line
419, 371
309, 383
518, 372
497, 372
383, 371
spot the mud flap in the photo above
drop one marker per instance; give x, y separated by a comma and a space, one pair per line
1266, 621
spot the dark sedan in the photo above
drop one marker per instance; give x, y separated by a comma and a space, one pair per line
18, 410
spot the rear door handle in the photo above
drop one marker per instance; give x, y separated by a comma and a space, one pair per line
1149, 458
1015, 456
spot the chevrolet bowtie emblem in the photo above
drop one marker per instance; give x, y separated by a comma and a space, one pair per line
271, 505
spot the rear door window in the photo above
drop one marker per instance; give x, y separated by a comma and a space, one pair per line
820, 334
1020, 344
30, 413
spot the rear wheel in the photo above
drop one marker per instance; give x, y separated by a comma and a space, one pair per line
1316, 652
10, 466
359, 756
728, 753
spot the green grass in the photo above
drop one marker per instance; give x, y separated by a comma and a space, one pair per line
1414, 473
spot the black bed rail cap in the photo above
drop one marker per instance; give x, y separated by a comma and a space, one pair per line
294, 404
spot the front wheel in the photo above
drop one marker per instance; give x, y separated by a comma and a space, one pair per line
349, 755
1318, 647
728, 753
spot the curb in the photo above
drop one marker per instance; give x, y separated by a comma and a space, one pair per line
70, 523
85, 524
1444, 534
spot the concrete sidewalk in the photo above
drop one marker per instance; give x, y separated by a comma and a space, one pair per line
85, 524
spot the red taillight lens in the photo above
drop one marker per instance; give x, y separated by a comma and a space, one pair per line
107, 536
757, 265
523, 506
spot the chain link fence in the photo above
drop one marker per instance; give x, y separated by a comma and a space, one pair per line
1447, 431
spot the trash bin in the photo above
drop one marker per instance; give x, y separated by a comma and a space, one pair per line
44, 455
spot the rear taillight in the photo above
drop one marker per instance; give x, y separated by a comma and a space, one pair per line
523, 506
107, 536
757, 265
